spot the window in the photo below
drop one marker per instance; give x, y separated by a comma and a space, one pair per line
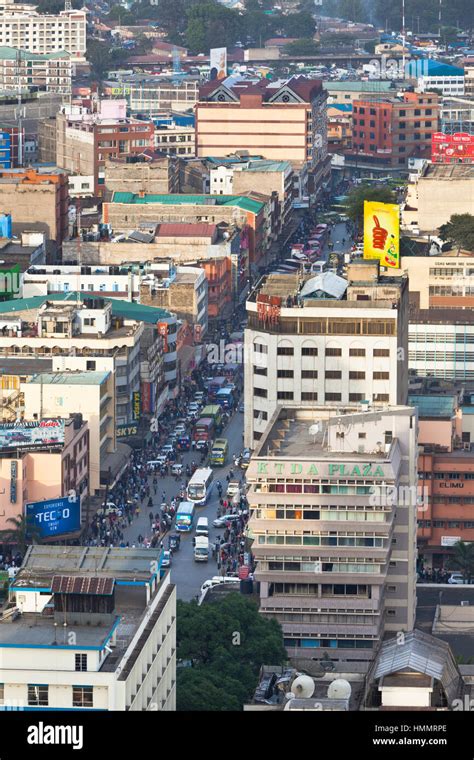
284, 373
357, 352
81, 662
285, 351
260, 392
260, 348
362, 435
309, 396
333, 352
381, 397
259, 370
38, 695
82, 696
356, 396
309, 351
309, 374
381, 375
257, 414
388, 436
286, 395
356, 375
90, 365
381, 352
333, 374
333, 396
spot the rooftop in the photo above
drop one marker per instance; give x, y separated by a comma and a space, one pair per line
434, 406
11, 54
242, 201
42, 563
120, 308
28, 366
70, 378
372, 86
200, 229
448, 171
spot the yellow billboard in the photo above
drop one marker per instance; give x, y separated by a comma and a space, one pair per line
382, 233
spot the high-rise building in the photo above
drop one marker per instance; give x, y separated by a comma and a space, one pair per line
22, 27
325, 340
332, 500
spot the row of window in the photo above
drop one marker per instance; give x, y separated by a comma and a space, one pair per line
313, 396
38, 695
261, 348
330, 374
321, 541
328, 643
445, 524
320, 567
327, 589
321, 514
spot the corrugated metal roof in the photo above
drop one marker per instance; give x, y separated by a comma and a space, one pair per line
242, 201
120, 308
433, 406
420, 653
327, 282
199, 229
70, 584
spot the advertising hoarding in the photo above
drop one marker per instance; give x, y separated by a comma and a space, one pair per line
456, 148
218, 63
45, 432
382, 233
55, 517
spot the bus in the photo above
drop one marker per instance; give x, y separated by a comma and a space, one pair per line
214, 412
185, 516
204, 430
225, 397
219, 452
215, 385
200, 485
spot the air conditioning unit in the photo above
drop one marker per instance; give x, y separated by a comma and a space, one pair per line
361, 449
467, 446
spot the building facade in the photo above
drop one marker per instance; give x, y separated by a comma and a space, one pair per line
334, 350
25, 70
335, 552
22, 27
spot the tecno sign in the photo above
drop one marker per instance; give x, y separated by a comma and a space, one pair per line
322, 469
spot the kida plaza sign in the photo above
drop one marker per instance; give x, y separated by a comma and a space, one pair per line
323, 469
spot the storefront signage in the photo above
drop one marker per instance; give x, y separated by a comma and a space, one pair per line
331, 470
123, 431
13, 477
136, 405
454, 484
450, 540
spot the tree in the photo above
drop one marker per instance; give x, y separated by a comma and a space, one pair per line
226, 642
24, 531
211, 24
463, 560
298, 24
302, 47
119, 13
98, 55
356, 198
460, 230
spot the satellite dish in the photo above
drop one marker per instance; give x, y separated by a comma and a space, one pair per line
339, 689
303, 687
314, 429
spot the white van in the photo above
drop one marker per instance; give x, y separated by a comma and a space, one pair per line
216, 580
202, 527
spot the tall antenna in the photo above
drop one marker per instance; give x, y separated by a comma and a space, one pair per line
19, 110
439, 17
403, 36
67, 5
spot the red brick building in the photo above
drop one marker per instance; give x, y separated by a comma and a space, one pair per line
392, 130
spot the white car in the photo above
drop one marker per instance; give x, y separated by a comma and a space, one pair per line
180, 430
456, 579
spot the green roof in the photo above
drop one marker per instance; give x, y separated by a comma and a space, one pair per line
126, 309
242, 201
11, 54
70, 378
379, 85
433, 406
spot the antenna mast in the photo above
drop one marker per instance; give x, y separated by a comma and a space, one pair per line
403, 36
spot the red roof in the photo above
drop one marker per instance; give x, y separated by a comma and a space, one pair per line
198, 229
67, 584
301, 86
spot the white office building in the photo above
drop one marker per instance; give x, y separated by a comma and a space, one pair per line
22, 27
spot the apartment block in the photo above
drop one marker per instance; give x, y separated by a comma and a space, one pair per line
152, 95
335, 548
22, 27
139, 173
325, 340
24, 70
440, 191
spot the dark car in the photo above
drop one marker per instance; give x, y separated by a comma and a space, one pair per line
174, 542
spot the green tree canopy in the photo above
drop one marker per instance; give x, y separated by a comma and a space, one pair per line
226, 642
305, 46
459, 229
23, 531
210, 25
357, 196
463, 560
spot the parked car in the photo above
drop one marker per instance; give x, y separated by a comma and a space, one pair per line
174, 541
241, 407
233, 487
166, 559
456, 579
180, 430
167, 449
221, 522
176, 469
